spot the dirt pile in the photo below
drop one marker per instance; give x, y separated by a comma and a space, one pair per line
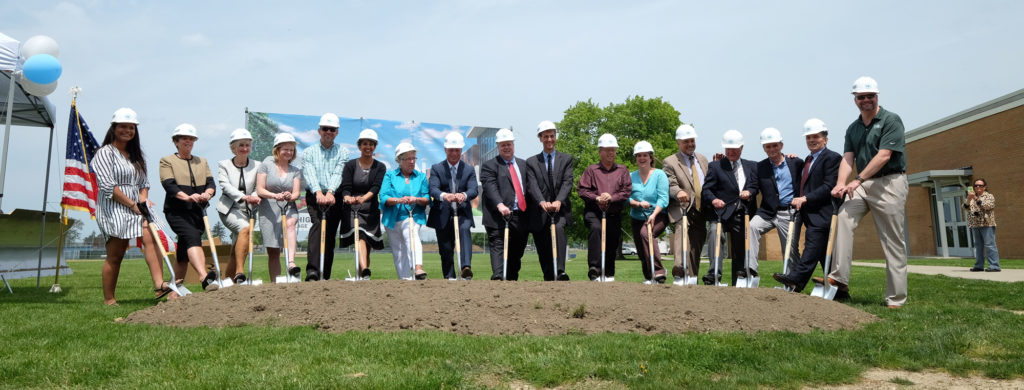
487, 307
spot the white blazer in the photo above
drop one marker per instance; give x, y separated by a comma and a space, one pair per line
227, 180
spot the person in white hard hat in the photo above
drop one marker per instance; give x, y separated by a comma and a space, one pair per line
778, 180
814, 203
731, 188
874, 145
321, 168
189, 186
604, 188
237, 179
123, 191
404, 196
504, 179
278, 182
648, 199
685, 170
452, 186
361, 179
551, 181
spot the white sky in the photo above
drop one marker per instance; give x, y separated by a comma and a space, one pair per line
723, 65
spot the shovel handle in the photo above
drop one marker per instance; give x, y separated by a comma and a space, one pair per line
156, 239
746, 232
213, 248
604, 223
831, 235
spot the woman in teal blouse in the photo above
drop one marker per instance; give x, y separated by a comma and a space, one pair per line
405, 193
647, 201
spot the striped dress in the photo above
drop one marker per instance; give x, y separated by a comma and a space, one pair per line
114, 170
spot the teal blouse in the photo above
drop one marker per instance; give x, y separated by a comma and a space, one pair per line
394, 187
655, 192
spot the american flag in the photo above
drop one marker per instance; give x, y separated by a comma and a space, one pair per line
79, 179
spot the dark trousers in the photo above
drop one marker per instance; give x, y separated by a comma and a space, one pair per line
642, 242
313, 254
446, 247
815, 245
613, 237
517, 234
542, 240
733, 227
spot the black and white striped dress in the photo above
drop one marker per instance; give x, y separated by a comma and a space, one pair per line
114, 170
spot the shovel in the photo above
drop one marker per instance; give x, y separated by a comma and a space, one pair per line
604, 222
747, 281
687, 279
174, 285
825, 289
355, 246
286, 277
323, 237
252, 225
789, 248
554, 248
650, 249
504, 256
718, 248
225, 282
457, 263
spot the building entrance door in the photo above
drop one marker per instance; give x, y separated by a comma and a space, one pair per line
954, 224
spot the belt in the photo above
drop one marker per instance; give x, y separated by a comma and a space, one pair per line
894, 172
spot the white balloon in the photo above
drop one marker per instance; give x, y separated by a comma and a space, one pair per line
39, 44
36, 89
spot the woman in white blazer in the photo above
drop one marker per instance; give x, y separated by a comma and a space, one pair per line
237, 182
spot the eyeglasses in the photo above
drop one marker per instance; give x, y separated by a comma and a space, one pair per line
868, 96
409, 159
328, 129
978, 185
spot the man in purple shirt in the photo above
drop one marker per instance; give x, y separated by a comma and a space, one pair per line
604, 188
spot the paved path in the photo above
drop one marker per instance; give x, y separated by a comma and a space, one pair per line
1006, 275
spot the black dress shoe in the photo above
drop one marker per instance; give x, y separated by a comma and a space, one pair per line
563, 276
842, 296
239, 279
785, 280
660, 279
594, 273
495, 277
708, 280
977, 269
312, 276
467, 273
992, 269
365, 274
295, 272
421, 276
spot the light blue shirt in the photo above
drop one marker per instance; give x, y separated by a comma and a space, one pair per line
321, 167
394, 186
655, 192
783, 182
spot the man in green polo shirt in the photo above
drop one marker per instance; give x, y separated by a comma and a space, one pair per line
875, 145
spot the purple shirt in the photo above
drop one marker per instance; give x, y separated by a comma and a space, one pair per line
597, 180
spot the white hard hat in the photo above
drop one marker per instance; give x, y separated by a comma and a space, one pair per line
607, 141
865, 84
686, 132
545, 126
185, 130
281, 138
732, 139
454, 141
240, 134
814, 126
125, 115
770, 135
642, 147
329, 120
367, 134
403, 148
504, 135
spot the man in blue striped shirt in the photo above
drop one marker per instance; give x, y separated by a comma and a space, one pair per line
321, 170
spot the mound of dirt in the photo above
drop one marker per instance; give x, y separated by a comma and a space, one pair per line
487, 307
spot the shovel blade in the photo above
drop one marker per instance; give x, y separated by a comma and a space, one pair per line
742, 283
225, 283
830, 293
755, 282
819, 290
286, 279
180, 289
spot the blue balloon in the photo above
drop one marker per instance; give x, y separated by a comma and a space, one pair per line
42, 69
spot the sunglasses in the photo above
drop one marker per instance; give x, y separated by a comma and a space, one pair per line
865, 97
329, 129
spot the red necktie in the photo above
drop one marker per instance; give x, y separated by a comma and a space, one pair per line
520, 199
803, 177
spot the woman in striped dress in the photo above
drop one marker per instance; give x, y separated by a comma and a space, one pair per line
123, 189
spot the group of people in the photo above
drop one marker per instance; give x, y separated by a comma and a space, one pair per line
520, 197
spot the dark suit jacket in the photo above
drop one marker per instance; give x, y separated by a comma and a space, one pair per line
540, 191
820, 180
720, 183
769, 189
497, 188
441, 181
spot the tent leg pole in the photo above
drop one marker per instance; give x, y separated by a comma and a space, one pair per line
7, 134
7, 284
42, 230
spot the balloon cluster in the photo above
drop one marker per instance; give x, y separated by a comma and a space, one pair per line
40, 71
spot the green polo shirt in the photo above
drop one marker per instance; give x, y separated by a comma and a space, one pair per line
884, 132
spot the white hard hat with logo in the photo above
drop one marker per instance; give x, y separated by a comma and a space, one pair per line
770, 135
642, 147
814, 126
329, 120
184, 130
125, 115
607, 141
367, 134
732, 139
504, 135
545, 126
240, 134
281, 138
686, 132
454, 140
865, 84
403, 148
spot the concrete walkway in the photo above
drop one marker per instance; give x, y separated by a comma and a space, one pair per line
1006, 275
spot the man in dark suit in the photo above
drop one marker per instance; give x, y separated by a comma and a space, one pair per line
818, 177
504, 203
731, 187
550, 174
778, 179
452, 186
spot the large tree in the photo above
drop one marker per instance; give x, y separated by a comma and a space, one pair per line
637, 119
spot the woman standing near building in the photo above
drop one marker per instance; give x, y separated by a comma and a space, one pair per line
404, 195
361, 180
277, 182
237, 179
981, 219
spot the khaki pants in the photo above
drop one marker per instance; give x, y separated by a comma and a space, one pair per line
886, 198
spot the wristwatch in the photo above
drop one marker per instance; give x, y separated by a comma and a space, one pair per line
860, 179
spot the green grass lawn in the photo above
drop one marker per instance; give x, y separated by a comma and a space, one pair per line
966, 327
